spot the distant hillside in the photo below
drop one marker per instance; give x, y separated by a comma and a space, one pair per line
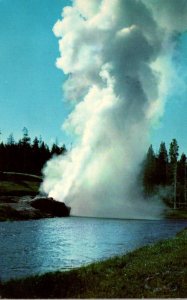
19, 184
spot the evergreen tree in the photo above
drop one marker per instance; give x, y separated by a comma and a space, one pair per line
43, 155
35, 144
174, 153
149, 171
181, 168
162, 165
26, 150
2, 157
25, 139
181, 173
55, 149
11, 153
10, 140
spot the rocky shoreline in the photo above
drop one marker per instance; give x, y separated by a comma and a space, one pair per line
17, 208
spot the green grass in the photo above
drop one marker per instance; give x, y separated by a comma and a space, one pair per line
176, 214
18, 188
156, 271
18, 184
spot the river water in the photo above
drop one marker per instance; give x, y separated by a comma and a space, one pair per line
38, 246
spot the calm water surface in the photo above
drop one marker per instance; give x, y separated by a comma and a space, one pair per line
39, 246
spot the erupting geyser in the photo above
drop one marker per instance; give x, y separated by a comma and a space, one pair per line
118, 55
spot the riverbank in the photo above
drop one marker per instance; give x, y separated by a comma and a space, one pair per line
17, 191
21, 208
155, 271
26, 208
176, 214
19, 184
18, 202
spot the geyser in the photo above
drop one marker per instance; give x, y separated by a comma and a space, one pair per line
117, 55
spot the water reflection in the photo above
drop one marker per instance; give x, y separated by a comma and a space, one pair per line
39, 246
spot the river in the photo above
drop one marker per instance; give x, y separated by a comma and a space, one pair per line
39, 246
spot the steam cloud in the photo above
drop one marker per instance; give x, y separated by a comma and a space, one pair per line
117, 54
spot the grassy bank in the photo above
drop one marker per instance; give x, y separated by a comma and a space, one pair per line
156, 271
17, 184
176, 214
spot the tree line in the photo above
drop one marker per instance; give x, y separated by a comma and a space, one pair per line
26, 156
164, 173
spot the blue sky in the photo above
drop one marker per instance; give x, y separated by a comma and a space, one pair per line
31, 86
173, 123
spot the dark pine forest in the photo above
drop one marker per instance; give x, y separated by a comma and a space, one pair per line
164, 174
26, 156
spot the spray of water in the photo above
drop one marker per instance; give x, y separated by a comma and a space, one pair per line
117, 55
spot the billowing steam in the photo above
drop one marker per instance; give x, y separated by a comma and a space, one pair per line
117, 54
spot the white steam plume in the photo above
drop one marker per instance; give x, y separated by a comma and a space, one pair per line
114, 52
